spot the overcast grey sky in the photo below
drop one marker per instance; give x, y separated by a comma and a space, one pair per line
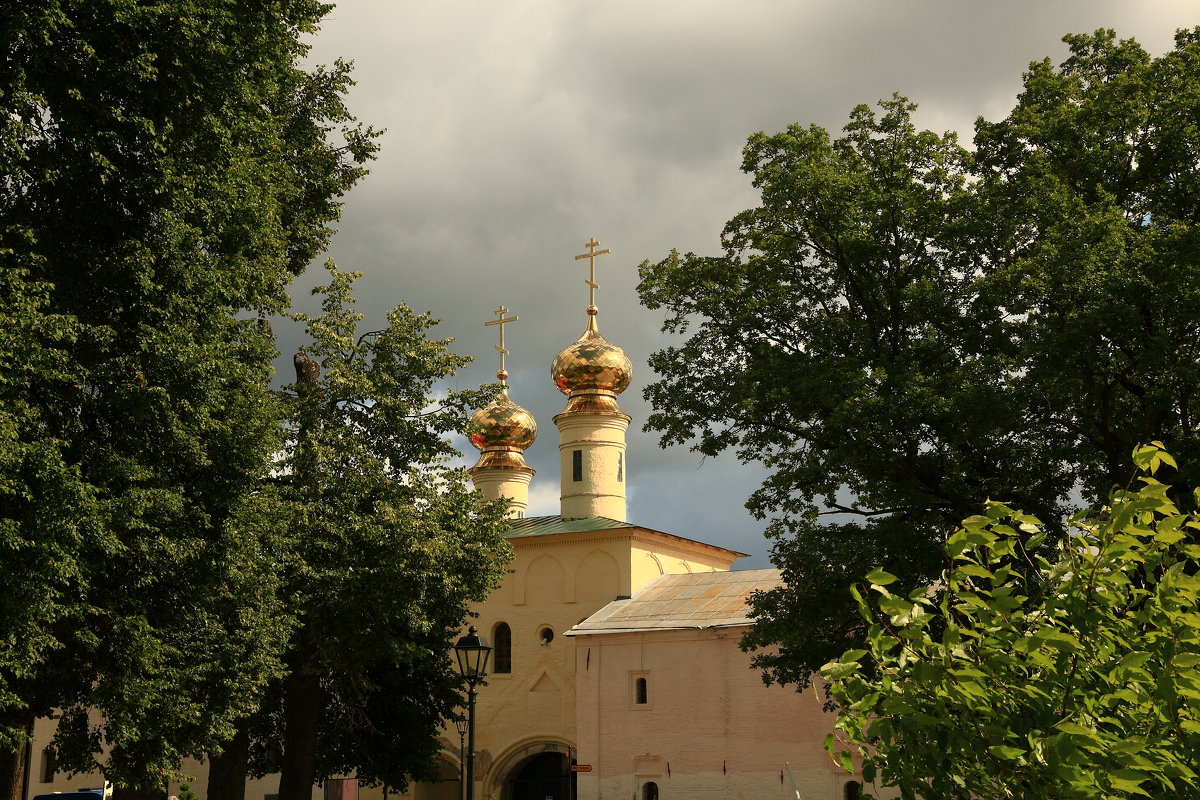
518, 129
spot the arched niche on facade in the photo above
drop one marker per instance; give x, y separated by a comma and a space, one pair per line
597, 581
545, 580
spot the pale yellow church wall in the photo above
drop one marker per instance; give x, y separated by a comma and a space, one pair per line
40, 766
667, 555
523, 586
549, 589
555, 582
196, 772
710, 729
256, 788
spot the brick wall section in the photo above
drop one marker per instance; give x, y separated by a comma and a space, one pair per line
710, 729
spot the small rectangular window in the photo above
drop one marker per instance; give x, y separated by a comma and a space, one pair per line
577, 465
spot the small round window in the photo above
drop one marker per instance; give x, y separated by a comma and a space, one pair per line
545, 636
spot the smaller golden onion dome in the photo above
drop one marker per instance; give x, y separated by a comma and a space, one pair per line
592, 364
501, 426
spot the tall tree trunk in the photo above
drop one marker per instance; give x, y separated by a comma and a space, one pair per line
227, 769
303, 704
14, 764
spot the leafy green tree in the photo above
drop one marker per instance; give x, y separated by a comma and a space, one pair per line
1090, 187
166, 166
33, 343
387, 547
1062, 672
904, 326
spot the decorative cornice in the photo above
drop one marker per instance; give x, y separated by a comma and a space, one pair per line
634, 533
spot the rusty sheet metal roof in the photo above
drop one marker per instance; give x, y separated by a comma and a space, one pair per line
688, 600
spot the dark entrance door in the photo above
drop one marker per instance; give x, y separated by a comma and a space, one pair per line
543, 777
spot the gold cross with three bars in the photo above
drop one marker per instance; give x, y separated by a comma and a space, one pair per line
591, 279
500, 320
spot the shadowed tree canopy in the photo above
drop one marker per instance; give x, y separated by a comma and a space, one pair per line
904, 327
386, 547
165, 166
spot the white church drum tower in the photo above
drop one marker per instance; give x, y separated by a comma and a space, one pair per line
502, 431
591, 429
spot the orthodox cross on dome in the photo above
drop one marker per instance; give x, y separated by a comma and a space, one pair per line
500, 320
591, 279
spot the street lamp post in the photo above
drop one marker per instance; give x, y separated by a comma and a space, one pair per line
472, 651
460, 723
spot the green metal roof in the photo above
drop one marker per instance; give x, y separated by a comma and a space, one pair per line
541, 526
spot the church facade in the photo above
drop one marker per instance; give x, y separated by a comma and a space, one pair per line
616, 673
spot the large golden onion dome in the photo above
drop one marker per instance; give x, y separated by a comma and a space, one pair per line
592, 372
502, 430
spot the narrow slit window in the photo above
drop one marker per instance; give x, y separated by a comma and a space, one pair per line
49, 765
640, 691
576, 465
620, 467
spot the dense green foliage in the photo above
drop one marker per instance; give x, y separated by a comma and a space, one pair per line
1073, 672
166, 166
904, 327
387, 545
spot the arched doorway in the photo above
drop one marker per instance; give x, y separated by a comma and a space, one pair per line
541, 776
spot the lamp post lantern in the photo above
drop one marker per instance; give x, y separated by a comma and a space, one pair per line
460, 724
472, 652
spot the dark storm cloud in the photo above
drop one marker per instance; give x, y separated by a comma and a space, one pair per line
517, 130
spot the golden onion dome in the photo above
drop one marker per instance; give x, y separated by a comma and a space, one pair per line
592, 364
502, 425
